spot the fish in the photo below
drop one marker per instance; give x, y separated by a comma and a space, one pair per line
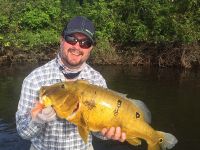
92, 108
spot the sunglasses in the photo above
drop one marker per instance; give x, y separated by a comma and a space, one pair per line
85, 43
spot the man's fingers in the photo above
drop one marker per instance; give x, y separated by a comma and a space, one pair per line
48, 111
103, 131
123, 137
114, 133
117, 134
110, 133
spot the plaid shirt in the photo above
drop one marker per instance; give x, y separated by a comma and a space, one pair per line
55, 135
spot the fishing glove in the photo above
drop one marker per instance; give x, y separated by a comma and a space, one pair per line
45, 115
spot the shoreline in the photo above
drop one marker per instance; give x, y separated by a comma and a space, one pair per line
175, 57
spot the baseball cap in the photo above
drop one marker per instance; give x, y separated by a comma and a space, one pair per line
82, 25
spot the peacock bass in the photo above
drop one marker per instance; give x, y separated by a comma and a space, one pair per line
93, 108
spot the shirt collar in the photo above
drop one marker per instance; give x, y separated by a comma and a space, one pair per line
67, 72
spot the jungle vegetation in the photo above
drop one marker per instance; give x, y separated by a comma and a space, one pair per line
165, 33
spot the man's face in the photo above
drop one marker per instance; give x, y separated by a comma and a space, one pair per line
73, 55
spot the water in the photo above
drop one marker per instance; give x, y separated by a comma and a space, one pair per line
171, 95
10, 86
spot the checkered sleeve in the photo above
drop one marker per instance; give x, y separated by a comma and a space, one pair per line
26, 128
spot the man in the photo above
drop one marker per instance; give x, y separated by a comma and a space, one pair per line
43, 128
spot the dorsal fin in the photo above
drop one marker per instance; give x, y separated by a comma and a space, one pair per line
117, 93
144, 109
134, 141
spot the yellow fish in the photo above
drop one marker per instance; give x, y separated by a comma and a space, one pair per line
93, 108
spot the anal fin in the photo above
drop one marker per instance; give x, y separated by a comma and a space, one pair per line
134, 141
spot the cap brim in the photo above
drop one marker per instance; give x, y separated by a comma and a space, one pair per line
83, 32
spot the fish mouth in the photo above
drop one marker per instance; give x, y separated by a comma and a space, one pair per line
74, 111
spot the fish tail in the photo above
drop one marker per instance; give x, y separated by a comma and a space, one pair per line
166, 140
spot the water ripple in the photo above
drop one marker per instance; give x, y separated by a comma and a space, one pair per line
9, 139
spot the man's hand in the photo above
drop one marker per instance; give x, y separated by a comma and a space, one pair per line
42, 115
114, 134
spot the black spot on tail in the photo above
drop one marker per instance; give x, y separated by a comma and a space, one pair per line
160, 140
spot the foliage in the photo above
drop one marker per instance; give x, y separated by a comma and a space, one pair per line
157, 21
30, 25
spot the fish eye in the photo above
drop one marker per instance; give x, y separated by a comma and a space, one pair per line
63, 86
160, 140
137, 115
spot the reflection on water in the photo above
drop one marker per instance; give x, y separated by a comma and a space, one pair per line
171, 95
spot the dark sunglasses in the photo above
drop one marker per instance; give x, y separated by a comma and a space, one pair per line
85, 43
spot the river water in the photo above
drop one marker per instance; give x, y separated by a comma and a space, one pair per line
172, 95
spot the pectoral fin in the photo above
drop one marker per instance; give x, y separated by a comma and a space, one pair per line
83, 133
134, 141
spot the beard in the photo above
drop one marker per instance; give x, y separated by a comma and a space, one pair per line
73, 58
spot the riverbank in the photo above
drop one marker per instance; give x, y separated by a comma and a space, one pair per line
182, 56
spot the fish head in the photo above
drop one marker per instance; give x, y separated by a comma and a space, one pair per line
61, 98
